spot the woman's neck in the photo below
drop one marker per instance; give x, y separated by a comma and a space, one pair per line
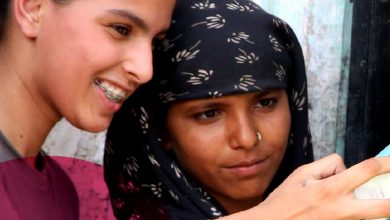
22, 119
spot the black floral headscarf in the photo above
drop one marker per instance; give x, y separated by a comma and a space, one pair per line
214, 48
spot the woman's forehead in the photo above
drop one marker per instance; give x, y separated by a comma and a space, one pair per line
250, 96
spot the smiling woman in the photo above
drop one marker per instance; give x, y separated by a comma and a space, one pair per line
75, 63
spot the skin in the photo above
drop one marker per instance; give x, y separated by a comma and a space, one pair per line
323, 190
65, 50
228, 160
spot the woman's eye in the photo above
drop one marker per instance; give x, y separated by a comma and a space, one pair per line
121, 29
266, 102
206, 114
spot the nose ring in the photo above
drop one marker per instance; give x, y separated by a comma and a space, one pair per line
258, 136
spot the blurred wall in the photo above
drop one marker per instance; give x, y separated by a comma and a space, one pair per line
324, 31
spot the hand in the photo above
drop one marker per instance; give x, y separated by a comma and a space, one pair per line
324, 190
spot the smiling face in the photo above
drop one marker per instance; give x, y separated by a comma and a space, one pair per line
215, 141
92, 55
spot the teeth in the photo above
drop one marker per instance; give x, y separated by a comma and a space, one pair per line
112, 93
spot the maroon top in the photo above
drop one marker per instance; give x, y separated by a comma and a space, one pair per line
34, 194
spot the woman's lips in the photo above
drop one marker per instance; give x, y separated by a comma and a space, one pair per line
247, 168
112, 94
111, 91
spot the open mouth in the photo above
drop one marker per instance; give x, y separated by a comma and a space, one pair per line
112, 92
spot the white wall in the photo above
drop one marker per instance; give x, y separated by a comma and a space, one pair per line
323, 29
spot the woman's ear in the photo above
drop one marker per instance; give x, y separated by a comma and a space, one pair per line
27, 15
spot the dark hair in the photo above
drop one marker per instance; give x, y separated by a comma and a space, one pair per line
4, 11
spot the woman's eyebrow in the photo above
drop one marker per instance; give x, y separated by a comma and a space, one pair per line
129, 16
266, 92
200, 106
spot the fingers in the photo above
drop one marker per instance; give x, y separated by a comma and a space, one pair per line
322, 168
329, 189
370, 209
363, 171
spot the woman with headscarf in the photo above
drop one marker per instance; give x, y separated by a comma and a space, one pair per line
221, 125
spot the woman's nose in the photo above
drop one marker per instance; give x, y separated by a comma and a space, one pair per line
139, 62
245, 133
